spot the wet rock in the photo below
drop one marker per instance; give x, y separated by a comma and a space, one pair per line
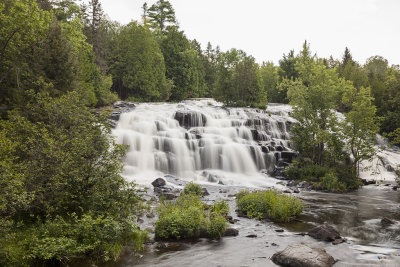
140, 221
150, 215
296, 190
324, 233
231, 232
368, 182
220, 182
231, 195
395, 188
274, 245
190, 118
251, 235
205, 192
158, 182
338, 241
169, 245
386, 221
279, 230
115, 115
303, 256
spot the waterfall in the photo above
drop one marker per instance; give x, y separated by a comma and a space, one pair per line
201, 138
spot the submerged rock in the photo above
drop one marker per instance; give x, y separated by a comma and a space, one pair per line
325, 233
303, 256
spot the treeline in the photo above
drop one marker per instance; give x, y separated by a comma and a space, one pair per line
63, 47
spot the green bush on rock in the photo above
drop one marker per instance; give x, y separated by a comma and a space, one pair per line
271, 204
187, 217
194, 189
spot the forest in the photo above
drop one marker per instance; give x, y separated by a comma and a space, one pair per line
60, 60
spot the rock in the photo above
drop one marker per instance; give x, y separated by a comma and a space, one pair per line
169, 245
324, 233
395, 188
288, 156
279, 230
158, 182
274, 244
205, 192
368, 182
231, 195
338, 241
190, 118
115, 115
231, 232
296, 190
150, 215
303, 256
386, 221
251, 235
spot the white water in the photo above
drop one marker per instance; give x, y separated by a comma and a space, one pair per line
210, 143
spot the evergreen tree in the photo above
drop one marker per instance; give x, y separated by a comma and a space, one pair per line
161, 14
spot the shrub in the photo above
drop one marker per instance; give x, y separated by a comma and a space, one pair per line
220, 207
61, 192
271, 204
330, 182
193, 189
216, 226
186, 218
180, 219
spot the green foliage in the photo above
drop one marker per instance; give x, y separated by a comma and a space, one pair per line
186, 217
330, 182
360, 125
239, 81
160, 15
62, 239
220, 207
137, 65
395, 137
60, 173
193, 189
270, 204
216, 226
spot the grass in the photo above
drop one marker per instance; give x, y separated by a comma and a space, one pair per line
269, 204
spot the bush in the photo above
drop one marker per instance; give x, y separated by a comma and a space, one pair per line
330, 182
59, 180
186, 218
193, 189
220, 207
271, 204
216, 226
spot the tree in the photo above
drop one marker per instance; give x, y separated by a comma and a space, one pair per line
161, 14
270, 77
313, 96
360, 126
181, 64
23, 25
137, 65
61, 192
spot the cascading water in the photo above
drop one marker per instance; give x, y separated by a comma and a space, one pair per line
201, 140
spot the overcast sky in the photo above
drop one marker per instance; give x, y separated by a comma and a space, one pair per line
266, 29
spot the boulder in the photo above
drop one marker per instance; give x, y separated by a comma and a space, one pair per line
386, 221
231, 232
158, 182
205, 192
303, 256
325, 233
